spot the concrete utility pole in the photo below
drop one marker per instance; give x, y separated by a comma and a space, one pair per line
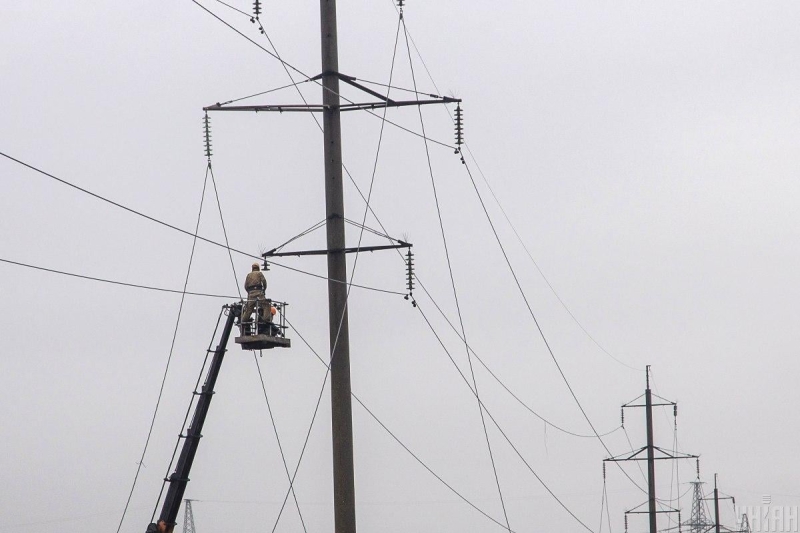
342, 418
339, 334
651, 462
649, 452
716, 505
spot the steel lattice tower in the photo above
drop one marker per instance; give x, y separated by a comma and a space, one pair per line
745, 527
699, 521
188, 517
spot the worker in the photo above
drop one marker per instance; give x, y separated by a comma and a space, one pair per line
160, 527
255, 284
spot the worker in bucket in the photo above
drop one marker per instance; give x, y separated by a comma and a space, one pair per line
255, 284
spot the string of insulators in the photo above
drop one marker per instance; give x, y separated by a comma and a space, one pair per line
622, 416
698, 468
410, 277
207, 135
459, 128
626, 522
675, 413
257, 8
266, 266
401, 3
604, 471
679, 522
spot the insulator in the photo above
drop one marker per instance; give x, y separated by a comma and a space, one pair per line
675, 410
266, 267
622, 416
400, 3
604, 470
410, 271
459, 127
207, 135
626, 523
257, 7
679, 522
698, 467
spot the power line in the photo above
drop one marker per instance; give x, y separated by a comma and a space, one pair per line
278, 439
181, 230
114, 282
397, 439
292, 67
501, 382
514, 229
535, 320
455, 292
497, 425
224, 230
349, 287
169, 357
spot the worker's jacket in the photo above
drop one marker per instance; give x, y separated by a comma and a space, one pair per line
255, 281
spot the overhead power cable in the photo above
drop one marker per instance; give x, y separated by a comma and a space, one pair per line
114, 282
169, 357
347, 295
453, 283
278, 439
594, 431
508, 220
397, 439
185, 232
234, 8
500, 381
536, 321
497, 425
263, 92
290, 66
224, 230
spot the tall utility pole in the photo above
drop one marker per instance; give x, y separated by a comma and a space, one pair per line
717, 527
651, 461
716, 505
650, 450
339, 335
344, 498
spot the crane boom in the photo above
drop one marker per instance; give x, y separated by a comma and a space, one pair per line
180, 477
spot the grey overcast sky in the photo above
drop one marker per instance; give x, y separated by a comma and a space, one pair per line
645, 153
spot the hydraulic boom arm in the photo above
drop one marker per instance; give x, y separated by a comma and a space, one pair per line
178, 480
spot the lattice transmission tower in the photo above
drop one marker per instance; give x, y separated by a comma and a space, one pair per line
188, 517
699, 522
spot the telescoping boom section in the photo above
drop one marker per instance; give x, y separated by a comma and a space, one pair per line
267, 335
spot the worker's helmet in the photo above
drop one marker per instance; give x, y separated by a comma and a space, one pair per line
273, 311
256, 266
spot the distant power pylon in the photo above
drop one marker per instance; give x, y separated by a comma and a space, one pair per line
650, 453
699, 522
188, 517
745, 526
